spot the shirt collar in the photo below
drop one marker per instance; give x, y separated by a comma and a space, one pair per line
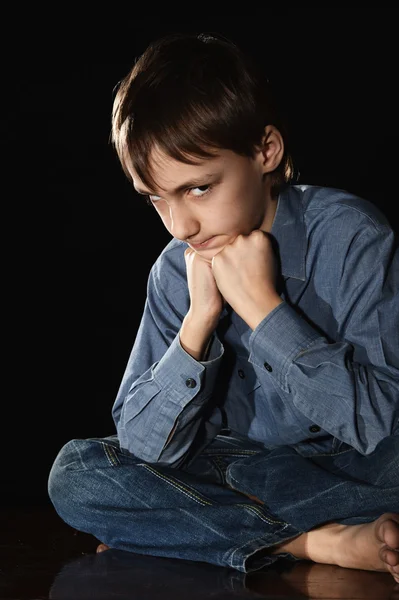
289, 232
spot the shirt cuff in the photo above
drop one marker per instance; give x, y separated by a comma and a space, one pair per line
180, 373
278, 340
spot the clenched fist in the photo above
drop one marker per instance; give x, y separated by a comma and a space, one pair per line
245, 274
206, 304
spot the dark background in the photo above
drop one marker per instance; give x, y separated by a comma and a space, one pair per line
86, 242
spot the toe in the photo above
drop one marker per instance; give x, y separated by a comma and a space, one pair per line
388, 529
390, 557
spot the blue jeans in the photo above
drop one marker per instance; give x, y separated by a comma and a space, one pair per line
194, 514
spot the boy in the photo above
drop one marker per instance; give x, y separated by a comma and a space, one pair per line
258, 413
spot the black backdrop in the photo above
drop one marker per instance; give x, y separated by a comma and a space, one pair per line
89, 242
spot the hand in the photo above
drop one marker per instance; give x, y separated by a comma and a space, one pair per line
206, 304
245, 273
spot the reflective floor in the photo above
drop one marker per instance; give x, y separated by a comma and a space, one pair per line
42, 558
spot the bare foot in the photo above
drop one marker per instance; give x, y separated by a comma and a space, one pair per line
370, 546
102, 548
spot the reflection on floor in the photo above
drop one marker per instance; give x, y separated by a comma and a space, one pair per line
42, 558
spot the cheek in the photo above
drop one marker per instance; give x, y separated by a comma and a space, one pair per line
239, 207
244, 212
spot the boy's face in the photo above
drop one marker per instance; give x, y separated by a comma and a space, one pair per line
208, 204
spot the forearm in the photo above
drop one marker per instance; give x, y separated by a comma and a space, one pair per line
254, 312
158, 414
195, 336
355, 402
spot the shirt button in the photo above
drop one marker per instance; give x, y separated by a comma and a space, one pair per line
314, 428
191, 383
267, 367
241, 374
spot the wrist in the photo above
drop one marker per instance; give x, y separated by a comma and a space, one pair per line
255, 316
195, 337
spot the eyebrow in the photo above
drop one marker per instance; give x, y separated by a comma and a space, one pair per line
183, 186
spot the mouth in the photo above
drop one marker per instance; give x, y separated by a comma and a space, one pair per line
201, 245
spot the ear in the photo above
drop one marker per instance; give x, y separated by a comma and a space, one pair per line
271, 150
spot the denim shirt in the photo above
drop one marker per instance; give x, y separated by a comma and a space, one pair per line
320, 371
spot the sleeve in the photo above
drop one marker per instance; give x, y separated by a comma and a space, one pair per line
164, 393
350, 386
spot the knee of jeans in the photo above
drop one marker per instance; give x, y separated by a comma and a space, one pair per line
64, 474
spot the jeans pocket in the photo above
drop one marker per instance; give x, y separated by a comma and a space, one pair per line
111, 454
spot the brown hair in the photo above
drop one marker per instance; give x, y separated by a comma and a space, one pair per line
190, 95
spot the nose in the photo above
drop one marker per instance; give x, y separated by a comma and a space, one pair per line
183, 224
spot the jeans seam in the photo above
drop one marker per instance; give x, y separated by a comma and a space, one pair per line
262, 545
178, 485
111, 455
330, 454
219, 451
262, 517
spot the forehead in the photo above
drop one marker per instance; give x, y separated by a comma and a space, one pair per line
170, 173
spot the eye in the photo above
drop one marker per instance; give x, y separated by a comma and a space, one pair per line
200, 190
152, 198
